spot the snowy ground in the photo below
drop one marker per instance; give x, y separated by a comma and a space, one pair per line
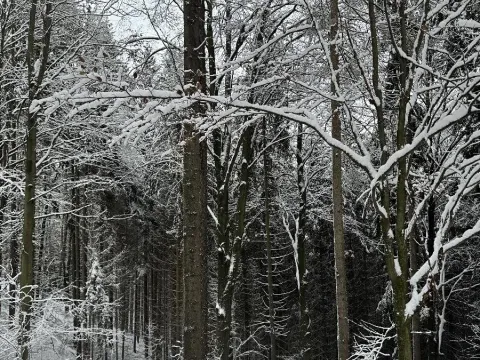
52, 337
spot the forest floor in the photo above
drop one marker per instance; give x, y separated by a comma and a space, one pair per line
52, 337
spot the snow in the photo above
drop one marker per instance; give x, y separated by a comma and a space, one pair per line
220, 309
468, 23
294, 242
37, 66
52, 337
416, 298
398, 269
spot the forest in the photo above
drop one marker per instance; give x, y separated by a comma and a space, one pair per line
253, 179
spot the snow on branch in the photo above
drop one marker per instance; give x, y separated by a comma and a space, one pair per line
368, 343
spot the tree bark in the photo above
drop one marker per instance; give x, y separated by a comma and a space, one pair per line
146, 313
195, 332
268, 240
302, 212
343, 332
35, 79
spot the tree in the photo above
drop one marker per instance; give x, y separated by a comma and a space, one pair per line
343, 333
407, 102
36, 68
194, 189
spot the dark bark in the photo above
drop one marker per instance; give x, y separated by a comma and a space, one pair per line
302, 212
146, 313
27, 256
194, 187
271, 306
343, 331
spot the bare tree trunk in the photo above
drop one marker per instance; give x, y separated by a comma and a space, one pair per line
399, 281
431, 323
177, 298
343, 332
135, 314
195, 332
416, 336
41, 249
14, 256
12, 287
35, 79
302, 301
271, 305
123, 315
146, 313
397, 264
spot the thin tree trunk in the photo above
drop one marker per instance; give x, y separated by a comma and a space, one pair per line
398, 278
123, 315
400, 287
271, 305
135, 314
35, 79
27, 256
302, 301
343, 332
177, 298
416, 336
431, 324
41, 250
12, 287
222, 187
146, 314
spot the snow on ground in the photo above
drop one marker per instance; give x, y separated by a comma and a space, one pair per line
52, 337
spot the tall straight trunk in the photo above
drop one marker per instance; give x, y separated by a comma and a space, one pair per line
399, 281
75, 263
195, 247
416, 336
397, 265
35, 79
177, 298
225, 305
14, 258
343, 332
136, 298
12, 287
222, 147
236, 253
27, 256
154, 309
163, 351
146, 314
41, 250
431, 323
123, 315
194, 186
302, 212
3, 163
271, 306
87, 340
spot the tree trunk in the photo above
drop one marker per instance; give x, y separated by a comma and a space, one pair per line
41, 250
12, 287
271, 305
431, 323
27, 256
343, 333
400, 287
136, 302
302, 301
416, 336
195, 332
35, 79
146, 313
